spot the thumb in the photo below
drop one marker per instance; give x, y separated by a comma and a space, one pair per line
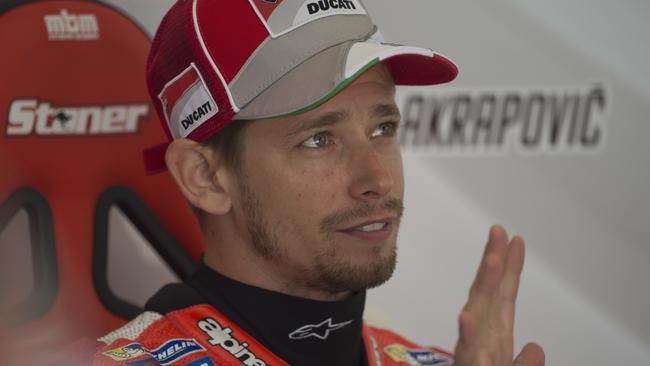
531, 355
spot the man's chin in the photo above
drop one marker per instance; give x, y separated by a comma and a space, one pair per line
341, 276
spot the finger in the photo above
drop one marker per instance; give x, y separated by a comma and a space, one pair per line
513, 267
493, 256
531, 355
488, 278
465, 352
466, 329
497, 241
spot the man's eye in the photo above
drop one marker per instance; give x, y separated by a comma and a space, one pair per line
318, 140
385, 129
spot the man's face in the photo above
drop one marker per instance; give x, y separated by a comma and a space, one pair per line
320, 193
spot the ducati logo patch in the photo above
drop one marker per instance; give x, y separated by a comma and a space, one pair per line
187, 102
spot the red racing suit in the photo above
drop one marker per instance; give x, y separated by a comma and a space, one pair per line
200, 335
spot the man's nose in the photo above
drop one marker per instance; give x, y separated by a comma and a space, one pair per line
371, 176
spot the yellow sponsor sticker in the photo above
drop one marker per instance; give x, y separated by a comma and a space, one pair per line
128, 352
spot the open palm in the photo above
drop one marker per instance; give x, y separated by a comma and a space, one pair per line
487, 320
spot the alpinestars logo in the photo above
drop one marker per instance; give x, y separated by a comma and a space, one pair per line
320, 331
222, 337
66, 27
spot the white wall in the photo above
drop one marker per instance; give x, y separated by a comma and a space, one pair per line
584, 216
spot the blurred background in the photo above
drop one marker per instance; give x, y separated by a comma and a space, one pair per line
545, 131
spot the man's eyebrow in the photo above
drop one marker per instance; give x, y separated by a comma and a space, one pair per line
331, 118
327, 119
385, 110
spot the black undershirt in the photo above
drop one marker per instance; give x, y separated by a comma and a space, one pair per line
271, 317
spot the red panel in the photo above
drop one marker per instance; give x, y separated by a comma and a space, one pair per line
104, 80
232, 27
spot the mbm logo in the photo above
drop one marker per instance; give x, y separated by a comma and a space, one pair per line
65, 26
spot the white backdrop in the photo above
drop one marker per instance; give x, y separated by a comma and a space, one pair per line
585, 217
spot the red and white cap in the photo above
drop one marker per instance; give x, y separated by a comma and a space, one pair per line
213, 62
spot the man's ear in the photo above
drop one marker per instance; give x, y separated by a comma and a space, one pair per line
195, 168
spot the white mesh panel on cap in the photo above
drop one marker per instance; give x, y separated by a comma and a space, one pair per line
132, 329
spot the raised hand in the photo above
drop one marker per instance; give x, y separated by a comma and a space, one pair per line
487, 320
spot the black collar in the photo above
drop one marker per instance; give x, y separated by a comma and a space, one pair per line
298, 330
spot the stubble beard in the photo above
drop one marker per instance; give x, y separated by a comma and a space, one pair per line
330, 271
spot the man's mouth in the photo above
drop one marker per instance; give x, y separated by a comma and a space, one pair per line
371, 230
373, 227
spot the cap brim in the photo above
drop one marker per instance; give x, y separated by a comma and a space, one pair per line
322, 76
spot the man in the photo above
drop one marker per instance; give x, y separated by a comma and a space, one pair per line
282, 123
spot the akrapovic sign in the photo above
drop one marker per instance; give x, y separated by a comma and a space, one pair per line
504, 120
